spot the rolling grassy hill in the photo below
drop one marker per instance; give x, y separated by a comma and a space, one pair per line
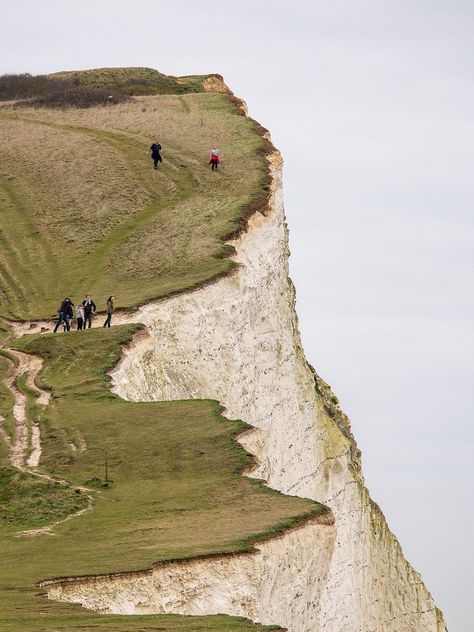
135, 81
81, 210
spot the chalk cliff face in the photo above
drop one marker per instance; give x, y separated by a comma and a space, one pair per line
274, 584
237, 341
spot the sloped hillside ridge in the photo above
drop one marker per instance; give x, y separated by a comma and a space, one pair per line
237, 341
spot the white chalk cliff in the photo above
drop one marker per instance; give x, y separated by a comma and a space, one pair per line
236, 341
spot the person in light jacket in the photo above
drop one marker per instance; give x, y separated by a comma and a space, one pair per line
80, 316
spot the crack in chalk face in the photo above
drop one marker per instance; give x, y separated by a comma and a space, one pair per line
236, 341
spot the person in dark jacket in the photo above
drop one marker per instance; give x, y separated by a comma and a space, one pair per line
89, 309
65, 314
110, 311
155, 150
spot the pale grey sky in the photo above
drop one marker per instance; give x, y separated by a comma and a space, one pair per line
371, 104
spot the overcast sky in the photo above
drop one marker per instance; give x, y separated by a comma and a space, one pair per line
371, 104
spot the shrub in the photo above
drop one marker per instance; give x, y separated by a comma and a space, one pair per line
26, 86
75, 97
42, 91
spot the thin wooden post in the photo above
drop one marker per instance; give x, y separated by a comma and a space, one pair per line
106, 468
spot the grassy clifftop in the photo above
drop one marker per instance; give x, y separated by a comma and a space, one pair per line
82, 210
136, 81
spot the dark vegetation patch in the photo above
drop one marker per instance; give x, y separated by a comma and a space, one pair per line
47, 92
89, 88
76, 97
26, 86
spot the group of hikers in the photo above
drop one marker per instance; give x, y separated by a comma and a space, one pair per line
155, 152
83, 313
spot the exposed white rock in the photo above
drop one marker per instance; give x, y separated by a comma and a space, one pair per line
275, 583
35, 455
237, 341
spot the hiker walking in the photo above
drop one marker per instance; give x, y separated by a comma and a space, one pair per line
80, 316
65, 314
214, 160
155, 150
110, 311
89, 309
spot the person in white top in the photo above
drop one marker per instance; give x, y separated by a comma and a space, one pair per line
80, 317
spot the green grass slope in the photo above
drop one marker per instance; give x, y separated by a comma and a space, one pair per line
176, 489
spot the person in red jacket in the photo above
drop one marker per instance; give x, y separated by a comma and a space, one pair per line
214, 160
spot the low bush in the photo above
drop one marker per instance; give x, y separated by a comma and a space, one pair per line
46, 92
26, 86
75, 97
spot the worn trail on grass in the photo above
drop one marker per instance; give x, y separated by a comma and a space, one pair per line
29, 437
30, 366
